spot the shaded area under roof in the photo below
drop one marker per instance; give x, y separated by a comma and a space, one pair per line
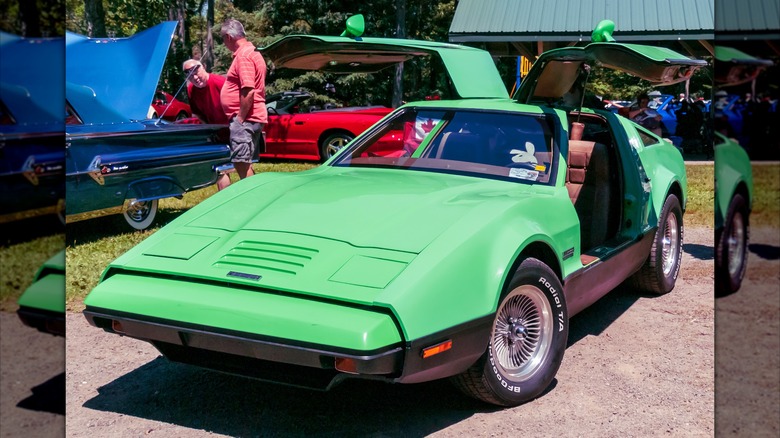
520, 27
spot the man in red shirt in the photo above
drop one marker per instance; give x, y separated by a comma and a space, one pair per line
204, 90
243, 99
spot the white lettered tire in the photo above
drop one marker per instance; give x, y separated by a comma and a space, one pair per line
140, 214
527, 340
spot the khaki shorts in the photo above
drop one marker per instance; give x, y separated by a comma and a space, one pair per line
245, 141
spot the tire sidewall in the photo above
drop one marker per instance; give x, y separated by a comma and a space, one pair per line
725, 282
147, 221
324, 146
513, 392
671, 206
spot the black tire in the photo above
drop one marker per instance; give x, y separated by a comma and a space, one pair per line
140, 214
181, 116
333, 143
527, 341
659, 273
732, 248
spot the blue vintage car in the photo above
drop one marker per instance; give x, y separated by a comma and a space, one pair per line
117, 161
32, 158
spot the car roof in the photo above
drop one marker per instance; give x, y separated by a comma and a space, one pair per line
472, 71
555, 72
122, 73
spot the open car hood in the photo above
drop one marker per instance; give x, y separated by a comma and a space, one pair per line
472, 71
555, 72
31, 73
735, 67
116, 73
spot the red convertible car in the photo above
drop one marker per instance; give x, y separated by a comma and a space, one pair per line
177, 110
299, 131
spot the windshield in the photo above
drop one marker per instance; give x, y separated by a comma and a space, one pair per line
497, 145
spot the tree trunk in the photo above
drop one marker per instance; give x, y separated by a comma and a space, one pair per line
96, 18
208, 54
400, 32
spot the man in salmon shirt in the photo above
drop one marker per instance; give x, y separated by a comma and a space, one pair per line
243, 100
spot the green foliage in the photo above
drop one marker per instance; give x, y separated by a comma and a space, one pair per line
49, 14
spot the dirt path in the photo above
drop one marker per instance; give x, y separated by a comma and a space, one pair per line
32, 381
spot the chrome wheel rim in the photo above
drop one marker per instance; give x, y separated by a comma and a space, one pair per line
138, 211
335, 145
736, 244
670, 244
522, 332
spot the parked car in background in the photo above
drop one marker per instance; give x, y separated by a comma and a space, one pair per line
117, 160
169, 108
298, 130
733, 173
32, 156
460, 253
42, 305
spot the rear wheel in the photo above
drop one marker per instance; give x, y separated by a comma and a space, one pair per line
334, 143
181, 116
527, 341
731, 255
659, 273
140, 214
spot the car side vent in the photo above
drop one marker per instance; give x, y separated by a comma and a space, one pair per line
266, 256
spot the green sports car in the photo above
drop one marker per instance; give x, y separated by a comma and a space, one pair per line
460, 250
42, 305
733, 177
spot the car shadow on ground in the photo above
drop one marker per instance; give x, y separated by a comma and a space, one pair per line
25, 230
596, 318
700, 252
235, 406
49, 396
100, 227
766, 252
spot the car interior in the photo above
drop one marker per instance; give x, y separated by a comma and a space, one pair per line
593, 182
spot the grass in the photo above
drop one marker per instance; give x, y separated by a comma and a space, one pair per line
24, 246
93, 244
766, 196
700, 210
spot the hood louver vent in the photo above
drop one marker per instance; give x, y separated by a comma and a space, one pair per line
267, 256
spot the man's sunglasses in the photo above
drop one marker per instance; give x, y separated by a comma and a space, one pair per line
192, 70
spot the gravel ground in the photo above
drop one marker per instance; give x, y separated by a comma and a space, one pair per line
635, 366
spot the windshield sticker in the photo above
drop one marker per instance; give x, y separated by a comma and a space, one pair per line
524, 156
540, 167
531, 175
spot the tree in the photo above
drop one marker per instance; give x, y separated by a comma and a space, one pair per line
400, 32
95, 18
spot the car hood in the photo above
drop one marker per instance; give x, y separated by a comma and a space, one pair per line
556, 71
368, 208
31, 73
119, 74
472, 71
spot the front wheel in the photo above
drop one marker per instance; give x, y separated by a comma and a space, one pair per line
334, 143
140, 214
731, 255
527, 341
659, 273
